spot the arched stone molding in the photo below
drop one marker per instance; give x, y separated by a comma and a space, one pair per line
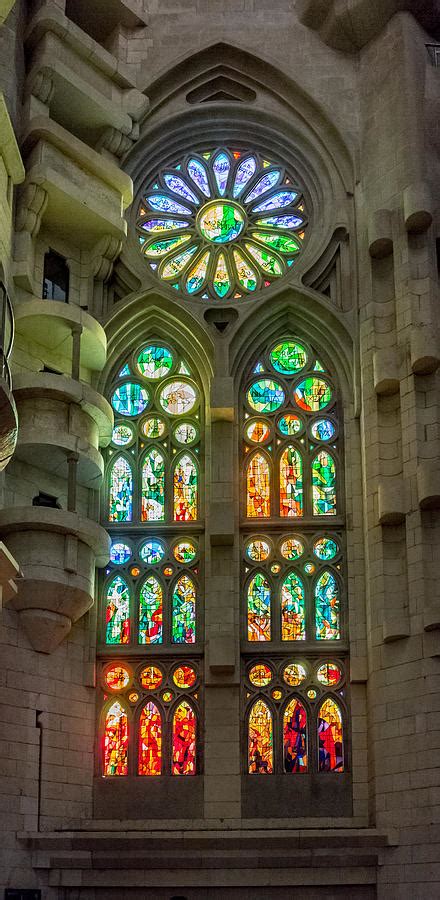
141, 315
349, 26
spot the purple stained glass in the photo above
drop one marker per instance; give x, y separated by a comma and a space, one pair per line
198, 173
264, 184
221, 166
277, 201
179, 186
244, 173
165, 204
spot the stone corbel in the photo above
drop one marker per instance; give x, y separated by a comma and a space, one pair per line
32, 203
103, 257
115, 142
42, 86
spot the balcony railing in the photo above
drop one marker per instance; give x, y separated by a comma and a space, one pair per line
6, 334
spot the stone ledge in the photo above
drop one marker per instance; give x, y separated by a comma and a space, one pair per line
59, 387
49, 323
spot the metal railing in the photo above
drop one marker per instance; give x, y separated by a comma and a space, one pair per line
6, 334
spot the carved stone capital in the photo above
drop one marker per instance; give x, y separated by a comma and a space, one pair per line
115, 142
32, 203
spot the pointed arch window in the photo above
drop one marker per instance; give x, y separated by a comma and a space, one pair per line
151, 588
293, 564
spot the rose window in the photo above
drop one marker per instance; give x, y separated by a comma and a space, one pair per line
222, 225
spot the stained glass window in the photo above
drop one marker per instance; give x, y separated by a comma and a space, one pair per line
258, 487
330, 737
117, 612
153, 487
291, 484
150, 612
295, 737
184, 611
260, 739
292, 564
185, 489
121, 491
150, 740
116, 741
221, 225
184, 740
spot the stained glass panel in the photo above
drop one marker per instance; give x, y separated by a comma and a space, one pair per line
260, 740
221, 222
117, 678
150, 612
313, 394
184, 740
178, 398
258, 550
152, 552
329, 674
116, 741
258, 609
151, 678
325, 548
153, 427
155, 361
165, 204
185, 483
265, 395
330, 737
324, 484
153, 488
179, 186
185, 433
198, 173
244, 173
185, 552
184, 611
291, 483
295, 737
292, 548
289, 425
121, 491
258, 487
117, 612
323, 429
122, 435
260, 675
150, 740
292, 609
258, 432
184, 677
120, 553
294, 674
130, 399
327, 608
288, 357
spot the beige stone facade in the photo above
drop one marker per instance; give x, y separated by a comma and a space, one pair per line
94, 98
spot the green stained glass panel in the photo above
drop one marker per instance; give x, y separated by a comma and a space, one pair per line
185, 489
324, 484
117, 612
288, 357
175, 266
258, 609
327, 608
313, 394
269, 263
289, 424
197, 275
222, 283
120, 491
280, 242
325, 548
246, 274
152, 552
161, 248
154, 361
130, 399
265, 395
153, 488
184, 611
221, 222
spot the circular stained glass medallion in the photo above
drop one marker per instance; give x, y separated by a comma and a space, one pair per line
151, 677
288, 357
130, 399
117, 678
152, 552
329, 674
185, 433
184, 677
265, 395
221, 224
120, 553
257, 550
312, 694
289, 425
323, 429
122, 435
325, 548
313, 394
294, 674
260, 675
167, 696
292, 548
153, 427
185, 552
258, 431
178, 398
154, 361
309, 568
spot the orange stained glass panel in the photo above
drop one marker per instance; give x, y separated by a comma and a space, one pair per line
258, 487
184, 740
116, 741
150, 741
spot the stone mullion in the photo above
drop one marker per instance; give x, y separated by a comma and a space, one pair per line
222, 737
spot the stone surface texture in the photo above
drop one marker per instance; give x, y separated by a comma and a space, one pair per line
97, 95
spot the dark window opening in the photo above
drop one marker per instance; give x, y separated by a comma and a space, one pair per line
56, 277
49, 500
